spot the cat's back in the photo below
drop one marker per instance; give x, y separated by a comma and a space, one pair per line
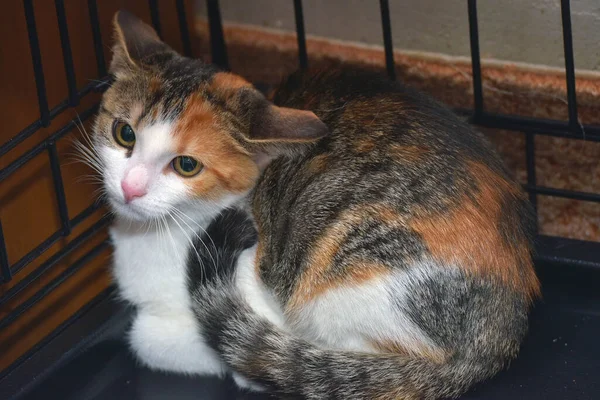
388, 144
399, 178
371, 116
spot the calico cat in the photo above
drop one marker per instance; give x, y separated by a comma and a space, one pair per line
164, 198
393, 257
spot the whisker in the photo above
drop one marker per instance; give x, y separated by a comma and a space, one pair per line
191, 242
162, 227
181, 213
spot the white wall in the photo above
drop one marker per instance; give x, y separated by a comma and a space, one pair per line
512, 30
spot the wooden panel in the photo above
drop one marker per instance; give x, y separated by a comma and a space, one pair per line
28, 206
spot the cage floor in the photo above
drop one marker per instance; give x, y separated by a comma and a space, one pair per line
559, 360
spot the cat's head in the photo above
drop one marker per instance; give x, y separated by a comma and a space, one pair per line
174, 133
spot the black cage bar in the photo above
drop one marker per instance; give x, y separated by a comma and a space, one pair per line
559, 251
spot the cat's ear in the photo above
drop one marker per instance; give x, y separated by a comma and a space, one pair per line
274, 131
268, 130
282, 125
277, 130
134, 41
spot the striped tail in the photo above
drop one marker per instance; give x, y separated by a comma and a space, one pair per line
292, 367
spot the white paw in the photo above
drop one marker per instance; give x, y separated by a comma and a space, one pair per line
246, 384
173, 344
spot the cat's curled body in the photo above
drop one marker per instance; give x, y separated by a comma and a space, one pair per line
398, 248
393, 258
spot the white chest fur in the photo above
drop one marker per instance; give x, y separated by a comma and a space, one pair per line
150, 266
151, 272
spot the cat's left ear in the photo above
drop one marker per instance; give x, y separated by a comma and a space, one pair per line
269, 130
286, 125
134, 42
275, 131
278, 128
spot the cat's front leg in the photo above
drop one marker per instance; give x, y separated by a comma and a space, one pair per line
173, 344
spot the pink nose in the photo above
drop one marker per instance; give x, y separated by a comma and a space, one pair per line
134, 184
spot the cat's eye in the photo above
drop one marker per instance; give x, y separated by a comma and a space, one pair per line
124, 134
186, 166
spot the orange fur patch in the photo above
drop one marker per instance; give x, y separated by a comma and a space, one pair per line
408, 154
260, 251
154, 113
224, 85
365, 145
315, 280
401, 392
468, 236
229, 80
317, 164
417, 350
228, 168
155, 84
373, 114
